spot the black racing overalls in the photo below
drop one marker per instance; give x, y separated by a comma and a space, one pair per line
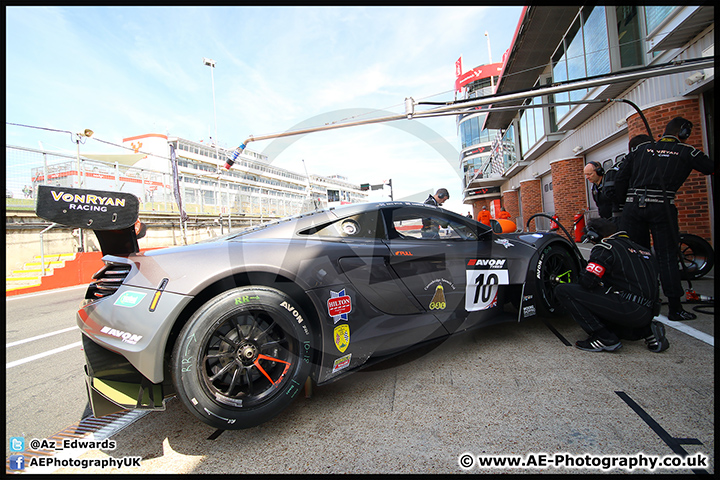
649, 178
618, 290
603, 202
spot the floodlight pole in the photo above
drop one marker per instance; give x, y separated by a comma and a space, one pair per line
211, 63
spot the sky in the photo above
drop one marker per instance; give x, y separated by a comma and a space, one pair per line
127, 71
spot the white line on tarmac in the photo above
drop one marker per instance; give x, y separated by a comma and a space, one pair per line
44, 335
44, 292
41, 355
703, 337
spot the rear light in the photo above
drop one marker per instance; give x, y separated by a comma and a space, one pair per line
107, 280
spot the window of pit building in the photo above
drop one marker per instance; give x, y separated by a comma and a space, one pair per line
507, 146
654, 16
532, 125
601, 40
583, 52
630, 40
472, 133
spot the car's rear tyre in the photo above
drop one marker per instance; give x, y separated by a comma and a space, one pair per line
555, 265
242, 357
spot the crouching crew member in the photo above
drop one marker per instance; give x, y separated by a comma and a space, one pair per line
617, 294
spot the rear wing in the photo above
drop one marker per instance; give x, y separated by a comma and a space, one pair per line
111, 215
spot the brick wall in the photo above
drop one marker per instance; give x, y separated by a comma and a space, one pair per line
531, 197
568, 189
510, 202
692, 200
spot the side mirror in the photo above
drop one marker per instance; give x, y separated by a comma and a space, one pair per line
503, 225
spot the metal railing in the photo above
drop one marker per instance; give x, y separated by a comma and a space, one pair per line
247, 201
27, 168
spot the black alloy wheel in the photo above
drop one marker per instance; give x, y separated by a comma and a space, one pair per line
242, 357
555, 265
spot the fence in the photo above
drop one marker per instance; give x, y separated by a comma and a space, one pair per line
27, 168
213, 207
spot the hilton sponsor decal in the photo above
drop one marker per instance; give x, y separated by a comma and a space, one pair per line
339, 305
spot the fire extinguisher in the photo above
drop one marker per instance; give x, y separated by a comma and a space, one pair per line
553, 223
579, 224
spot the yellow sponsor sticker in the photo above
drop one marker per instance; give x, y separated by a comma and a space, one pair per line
342, 337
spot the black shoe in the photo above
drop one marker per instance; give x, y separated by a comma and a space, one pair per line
657, 342
680, 315
594, 344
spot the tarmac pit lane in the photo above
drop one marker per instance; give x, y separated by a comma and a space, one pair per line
503, 390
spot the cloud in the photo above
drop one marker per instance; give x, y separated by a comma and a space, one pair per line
124, 71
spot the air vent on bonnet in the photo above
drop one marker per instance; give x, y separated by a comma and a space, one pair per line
107, 280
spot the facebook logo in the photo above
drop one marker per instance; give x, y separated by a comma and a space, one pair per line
17, 462
17, 444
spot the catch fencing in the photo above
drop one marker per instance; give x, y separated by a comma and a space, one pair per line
27, 168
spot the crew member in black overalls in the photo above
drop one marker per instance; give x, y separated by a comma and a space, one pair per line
651, 176
617, 293
594, 173
608, 181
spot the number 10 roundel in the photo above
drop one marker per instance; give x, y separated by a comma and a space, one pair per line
483, 276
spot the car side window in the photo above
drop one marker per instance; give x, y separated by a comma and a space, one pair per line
364, 225
429, 226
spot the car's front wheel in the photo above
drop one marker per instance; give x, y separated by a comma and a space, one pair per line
242, 357
555, 265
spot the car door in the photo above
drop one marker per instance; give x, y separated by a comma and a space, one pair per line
380, 315
445, 261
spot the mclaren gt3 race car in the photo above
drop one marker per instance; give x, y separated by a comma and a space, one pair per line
236, 325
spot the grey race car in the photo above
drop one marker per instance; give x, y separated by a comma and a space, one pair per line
235, 326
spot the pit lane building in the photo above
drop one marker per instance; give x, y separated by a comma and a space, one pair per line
532, 159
